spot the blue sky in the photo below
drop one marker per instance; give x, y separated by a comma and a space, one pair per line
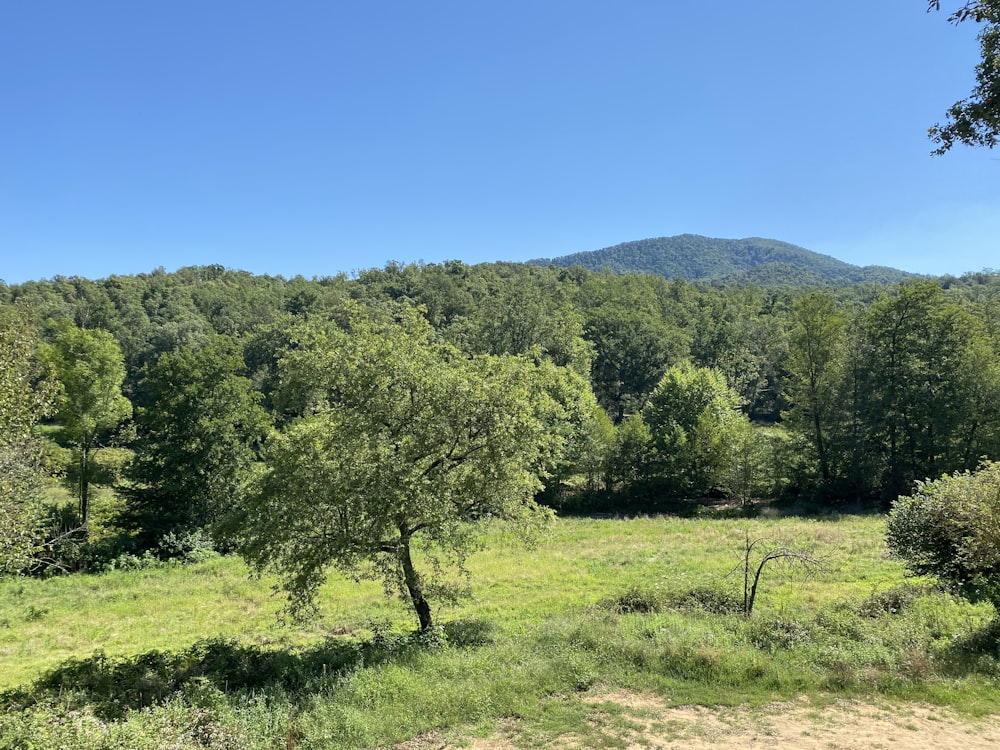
322, 137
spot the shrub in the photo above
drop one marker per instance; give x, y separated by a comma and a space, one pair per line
950, 528
635, 600
894, 601
776, 634
709, 600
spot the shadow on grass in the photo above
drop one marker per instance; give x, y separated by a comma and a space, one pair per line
648, 500
112, 686
976, 651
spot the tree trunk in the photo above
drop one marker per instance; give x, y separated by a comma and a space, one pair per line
824, 464
412, 580
84, 485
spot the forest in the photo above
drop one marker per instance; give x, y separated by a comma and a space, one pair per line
679, 390
382, 425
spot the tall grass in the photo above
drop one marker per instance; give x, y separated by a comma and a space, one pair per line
195, 656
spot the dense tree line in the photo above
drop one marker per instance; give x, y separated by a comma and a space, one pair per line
679, 390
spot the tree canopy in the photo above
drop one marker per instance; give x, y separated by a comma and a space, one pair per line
401, 437
24, 400
198, 421
91, 370
975, 120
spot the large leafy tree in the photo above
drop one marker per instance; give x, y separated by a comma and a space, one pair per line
520, 316
24, 400
198, 423
975, 121
929, 385
630, 322
692, 416
90, 367
816, 360
404, 438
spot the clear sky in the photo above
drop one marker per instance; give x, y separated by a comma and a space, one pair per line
308, 137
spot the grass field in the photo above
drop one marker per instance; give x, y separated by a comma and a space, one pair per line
196, 656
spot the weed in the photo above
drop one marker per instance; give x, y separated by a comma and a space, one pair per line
775, 634
635, 601
34, 614
711, 600
893, 601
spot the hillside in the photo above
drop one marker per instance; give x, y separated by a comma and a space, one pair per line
697, 258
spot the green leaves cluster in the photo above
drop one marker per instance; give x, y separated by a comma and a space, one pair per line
891, 393
25, 398
975, 121
198, 423
950, 528
90, 369
691, 416
402, 437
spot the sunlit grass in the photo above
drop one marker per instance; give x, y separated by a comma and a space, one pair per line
541, 625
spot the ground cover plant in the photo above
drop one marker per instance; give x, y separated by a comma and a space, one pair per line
194, 656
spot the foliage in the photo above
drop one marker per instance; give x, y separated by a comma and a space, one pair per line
24, 400
817, 342
928, 387
692, 415
90, 368
975, 121
696, 258
903, 387
628, 322
710, 599
751, 470
198, 424
403, 437
904, 381
950, 528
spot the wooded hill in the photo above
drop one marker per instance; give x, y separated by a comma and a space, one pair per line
696, 258
657, 391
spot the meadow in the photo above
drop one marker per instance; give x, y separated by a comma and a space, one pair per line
198, 655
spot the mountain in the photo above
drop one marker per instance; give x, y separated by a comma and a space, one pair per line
696, 258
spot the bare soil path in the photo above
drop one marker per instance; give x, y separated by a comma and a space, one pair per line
642, 722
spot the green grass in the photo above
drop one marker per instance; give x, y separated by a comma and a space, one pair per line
196, 654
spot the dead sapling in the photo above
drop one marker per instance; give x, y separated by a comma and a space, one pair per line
753, 566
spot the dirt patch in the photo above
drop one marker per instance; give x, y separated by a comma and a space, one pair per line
845, 725
643, 722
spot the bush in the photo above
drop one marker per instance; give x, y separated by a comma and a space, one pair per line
950, 528
894, 601
710, 600
188, 546
775, 635
635, 601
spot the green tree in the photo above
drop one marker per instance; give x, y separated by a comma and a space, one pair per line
520, 316
927, 386
90, 367
975, 121
735, 330
628, 321
198, 423
749, 472
816, 356
691, 415
24, 400
950, 528
628, 465
404, 438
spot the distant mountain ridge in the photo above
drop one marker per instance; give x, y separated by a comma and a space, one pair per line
753, 259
